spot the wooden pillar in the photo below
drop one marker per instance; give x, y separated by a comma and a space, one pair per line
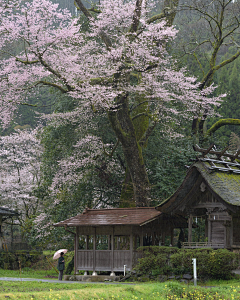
141, 238
76, 250
118, 244
94, 252
135, 242
87, 242
190, 219
206, 227
109, 242
131, 249
209, 229
231, 233
112, 248
172, 236
163, 238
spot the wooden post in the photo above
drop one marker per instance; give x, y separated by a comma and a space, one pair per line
172, 236
190, 228
112, 248
87, 242
163, 238
109, 242
141, 238
231, 232
131, 249
94, 252
154, 238
209, 229
118, 244
76, 250
135, 242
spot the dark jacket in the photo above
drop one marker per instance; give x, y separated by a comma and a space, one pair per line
60, 265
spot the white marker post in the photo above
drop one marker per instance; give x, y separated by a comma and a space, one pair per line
124, 270
194, 262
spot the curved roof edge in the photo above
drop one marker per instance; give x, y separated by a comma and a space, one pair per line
224, 185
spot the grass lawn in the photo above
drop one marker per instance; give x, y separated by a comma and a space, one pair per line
145, 291
29, 273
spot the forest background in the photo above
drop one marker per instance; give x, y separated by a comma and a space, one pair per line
31, 154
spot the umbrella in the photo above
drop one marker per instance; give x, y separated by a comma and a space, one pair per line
58, 253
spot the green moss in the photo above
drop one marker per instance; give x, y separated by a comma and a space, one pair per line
225, 184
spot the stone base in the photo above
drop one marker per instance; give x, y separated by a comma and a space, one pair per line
90, 278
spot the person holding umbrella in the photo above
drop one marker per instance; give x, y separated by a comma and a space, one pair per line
61, 265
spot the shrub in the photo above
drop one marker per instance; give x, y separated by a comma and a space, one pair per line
155, 260
13, 260
216, 264
211, 263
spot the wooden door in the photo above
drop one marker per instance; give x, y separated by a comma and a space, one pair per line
218, 232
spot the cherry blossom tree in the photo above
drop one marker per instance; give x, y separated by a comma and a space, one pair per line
20, 174
118, 66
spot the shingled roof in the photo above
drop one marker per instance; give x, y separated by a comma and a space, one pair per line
225, 184
114, 216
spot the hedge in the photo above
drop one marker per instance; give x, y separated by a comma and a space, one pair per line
216, 264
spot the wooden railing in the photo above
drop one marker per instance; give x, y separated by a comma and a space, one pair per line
104, 260
203, 245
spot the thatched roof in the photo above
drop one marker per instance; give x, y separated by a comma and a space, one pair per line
224, 184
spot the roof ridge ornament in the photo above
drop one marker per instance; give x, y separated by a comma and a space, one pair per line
224, 161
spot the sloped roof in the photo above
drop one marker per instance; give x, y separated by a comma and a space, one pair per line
7, 212
224, 184
114, 216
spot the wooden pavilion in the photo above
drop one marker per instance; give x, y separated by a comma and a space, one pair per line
211, 191
107, 239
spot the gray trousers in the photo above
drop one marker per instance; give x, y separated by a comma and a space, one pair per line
60, 276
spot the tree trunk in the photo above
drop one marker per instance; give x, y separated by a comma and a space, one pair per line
123, 127
127, 194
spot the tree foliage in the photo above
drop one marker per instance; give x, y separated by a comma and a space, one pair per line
20, 155
119, 67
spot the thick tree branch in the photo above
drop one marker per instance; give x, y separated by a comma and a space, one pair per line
27, 62
199, 63
211, 72
137, 105
87, 14
95, 10
140, 115
221, 123
83, 9
136, 16
148, 133
47, 83
166, 13
54, 72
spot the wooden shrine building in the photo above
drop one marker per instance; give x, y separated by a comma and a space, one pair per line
210, 191
107, 239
